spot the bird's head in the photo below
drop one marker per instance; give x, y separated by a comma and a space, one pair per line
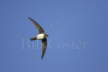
46, 35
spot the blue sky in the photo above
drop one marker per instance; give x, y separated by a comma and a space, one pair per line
77, 35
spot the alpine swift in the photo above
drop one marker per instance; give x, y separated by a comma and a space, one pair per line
40, 36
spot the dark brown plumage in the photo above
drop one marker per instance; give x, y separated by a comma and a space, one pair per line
41, 32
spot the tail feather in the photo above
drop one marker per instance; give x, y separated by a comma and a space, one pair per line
33, 38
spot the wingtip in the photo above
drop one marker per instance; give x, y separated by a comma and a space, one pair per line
42, 57
29, 18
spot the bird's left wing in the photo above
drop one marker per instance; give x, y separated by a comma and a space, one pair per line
40, 29
44, 46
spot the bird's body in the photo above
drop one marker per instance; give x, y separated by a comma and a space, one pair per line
40, 36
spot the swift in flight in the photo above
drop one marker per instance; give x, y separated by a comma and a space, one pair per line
40, 36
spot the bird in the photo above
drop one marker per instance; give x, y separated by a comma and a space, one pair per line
40, 36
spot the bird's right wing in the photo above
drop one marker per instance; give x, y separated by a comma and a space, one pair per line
40, 29
44, 46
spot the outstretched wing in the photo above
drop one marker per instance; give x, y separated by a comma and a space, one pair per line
40, 29
44, 46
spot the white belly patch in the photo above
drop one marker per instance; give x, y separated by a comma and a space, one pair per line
40, 36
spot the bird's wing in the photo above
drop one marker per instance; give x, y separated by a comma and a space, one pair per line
44, 46
40, 29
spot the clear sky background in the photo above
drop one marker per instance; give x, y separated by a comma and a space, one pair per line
78, 35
